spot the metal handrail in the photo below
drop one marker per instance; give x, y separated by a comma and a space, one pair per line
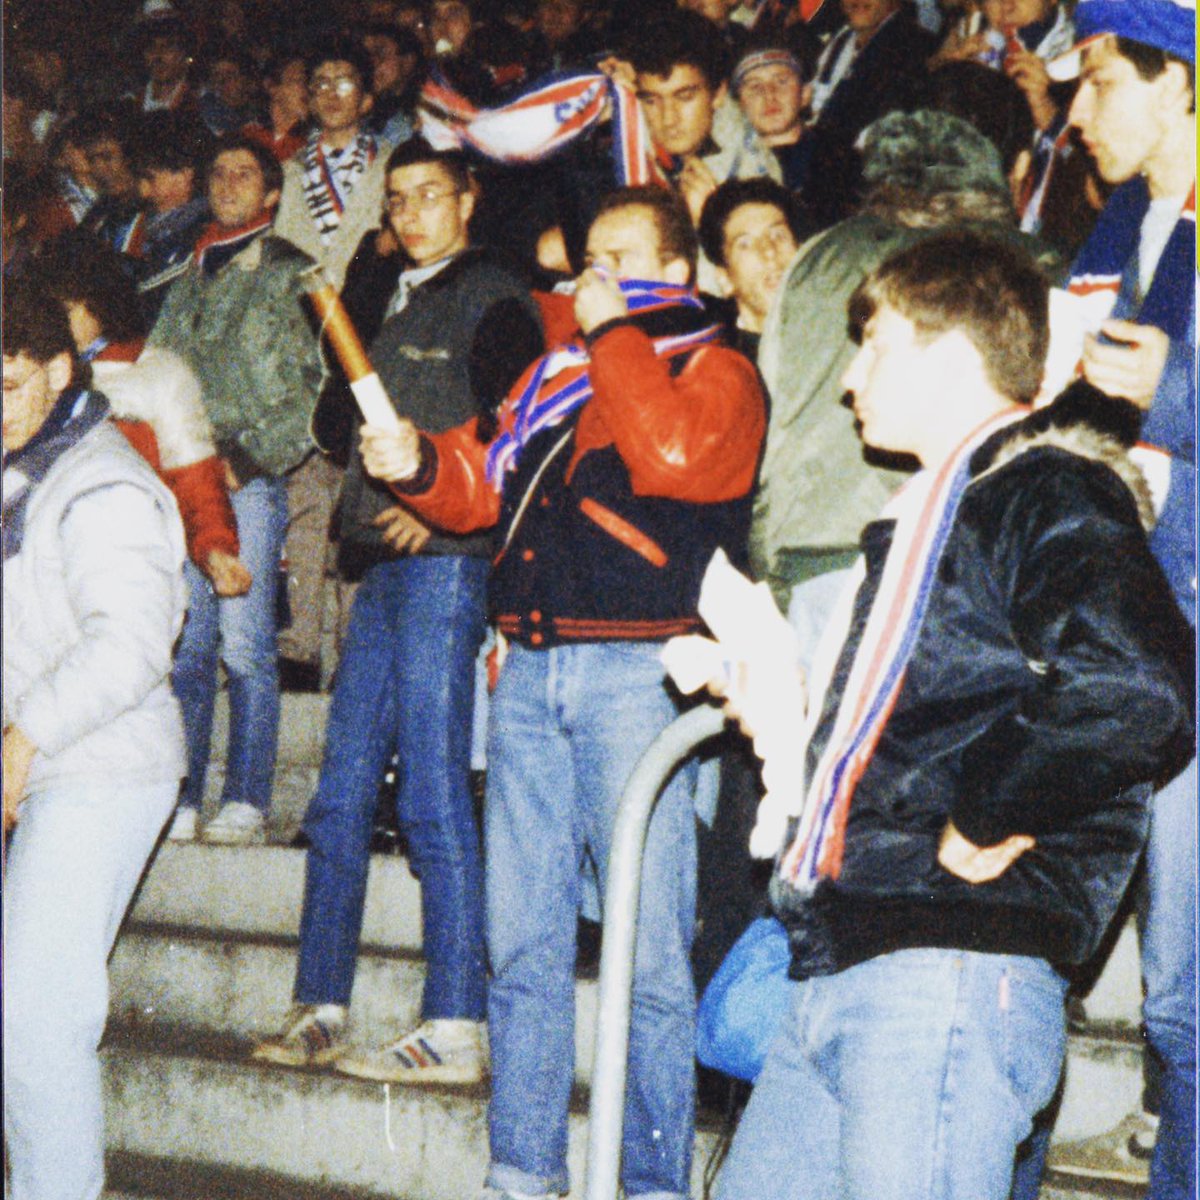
622, 897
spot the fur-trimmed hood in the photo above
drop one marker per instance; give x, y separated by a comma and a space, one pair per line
1102, 430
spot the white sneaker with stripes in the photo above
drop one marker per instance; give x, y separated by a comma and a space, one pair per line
441, 1051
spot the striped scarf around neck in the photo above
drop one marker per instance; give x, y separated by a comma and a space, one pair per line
559, 383
330, 178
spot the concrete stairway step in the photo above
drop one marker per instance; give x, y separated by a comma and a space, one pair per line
203, 985
259, 890
144, 1177
198, 1121
240, 985
194, 1103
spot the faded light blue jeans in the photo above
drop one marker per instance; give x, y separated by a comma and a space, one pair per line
567, 727
405, 685
71, 867
242, 632
911, 1076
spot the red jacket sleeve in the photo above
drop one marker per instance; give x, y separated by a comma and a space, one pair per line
694, 437
458, 497
203, 500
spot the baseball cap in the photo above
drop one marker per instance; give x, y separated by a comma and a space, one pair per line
1169, 25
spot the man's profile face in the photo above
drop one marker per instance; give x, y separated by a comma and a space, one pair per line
624, 243
390, 69
679, 108
758, 247
31, 389
428, 212
772, 98
237, 192
865, 16
337, 97
886, 381
1117, 112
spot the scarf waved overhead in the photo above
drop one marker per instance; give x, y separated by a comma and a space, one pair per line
560, 382
74, 414
542, 120
327, 186
880, 660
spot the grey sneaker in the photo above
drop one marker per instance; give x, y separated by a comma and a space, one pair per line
442, 1051
1119, 1153
237, 824
312, 1036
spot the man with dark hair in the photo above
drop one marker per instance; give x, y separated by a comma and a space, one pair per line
396, 74
165, 48
235, 317
166, 161
109, 139
749, 231
148, 385
1135, 111
1005, 672
456, 331
618, 465
332, 189
682, 75
92, 744
332, 197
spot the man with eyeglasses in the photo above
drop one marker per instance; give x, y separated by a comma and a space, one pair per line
332, 197
456, 332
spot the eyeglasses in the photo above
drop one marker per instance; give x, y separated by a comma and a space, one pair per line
343, 86
421, 199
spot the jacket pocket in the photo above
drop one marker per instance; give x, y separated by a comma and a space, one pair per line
625, 533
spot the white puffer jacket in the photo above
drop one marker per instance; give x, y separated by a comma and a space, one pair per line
93, 603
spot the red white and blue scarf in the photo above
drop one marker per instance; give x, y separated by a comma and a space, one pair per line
1100, 266
880, 660
553, 112
560, 382
330, 178
217, 245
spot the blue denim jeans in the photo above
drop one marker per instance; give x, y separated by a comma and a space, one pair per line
1169, 971
242, 631
405, 685
71, 867
911, 1076
567, 727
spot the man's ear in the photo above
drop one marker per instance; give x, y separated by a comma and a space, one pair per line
1177, 87
366, 104
466, 205
677, 271
724, 282
59, 371
271, 199
806, 93
720, 95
